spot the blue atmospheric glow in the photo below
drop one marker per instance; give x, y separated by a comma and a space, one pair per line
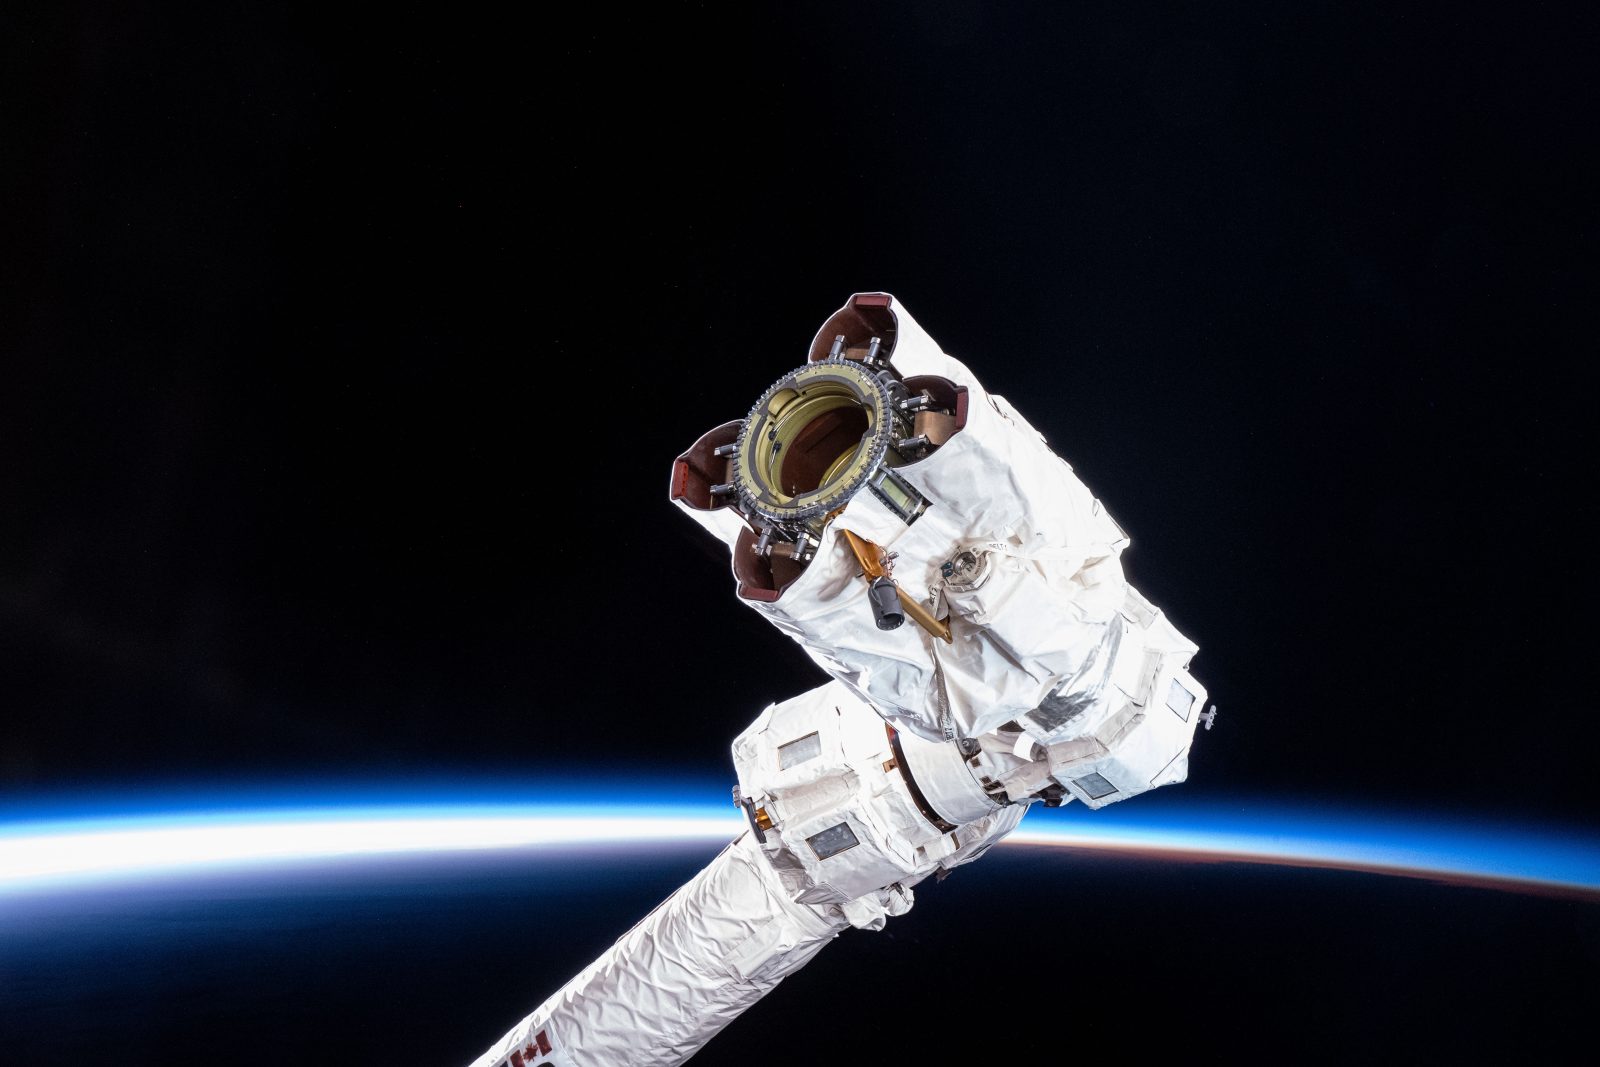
51, 845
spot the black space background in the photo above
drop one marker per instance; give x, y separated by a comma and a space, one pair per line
293, 299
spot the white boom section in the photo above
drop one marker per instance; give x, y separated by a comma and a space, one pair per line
690, 967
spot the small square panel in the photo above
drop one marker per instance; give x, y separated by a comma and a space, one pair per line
799, 750
1180, 700
1056, 710
832, 841
1095, 786
897, 495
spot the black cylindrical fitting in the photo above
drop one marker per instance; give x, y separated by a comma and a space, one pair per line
885, 604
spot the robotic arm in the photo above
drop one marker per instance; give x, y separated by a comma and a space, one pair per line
964, 590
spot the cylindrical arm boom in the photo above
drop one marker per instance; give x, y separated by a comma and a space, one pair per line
690, 967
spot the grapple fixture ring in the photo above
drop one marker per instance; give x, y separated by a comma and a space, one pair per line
812, 441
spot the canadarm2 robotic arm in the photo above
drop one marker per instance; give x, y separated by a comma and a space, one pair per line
964, 590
